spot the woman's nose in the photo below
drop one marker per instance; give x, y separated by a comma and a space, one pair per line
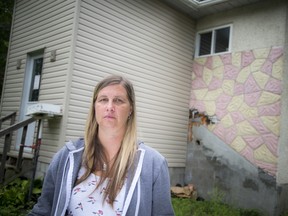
110, 106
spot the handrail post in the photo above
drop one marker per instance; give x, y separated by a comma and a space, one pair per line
21, 149
4, 156
36, 155
13, 117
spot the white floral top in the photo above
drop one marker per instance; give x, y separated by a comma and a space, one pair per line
86, 200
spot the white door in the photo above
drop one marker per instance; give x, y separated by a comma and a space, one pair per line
30, 95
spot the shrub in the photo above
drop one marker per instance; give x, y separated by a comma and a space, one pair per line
13, 197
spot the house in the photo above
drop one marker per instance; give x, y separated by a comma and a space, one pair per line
240, 75
59, 50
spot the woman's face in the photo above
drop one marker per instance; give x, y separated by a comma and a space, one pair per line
112, 107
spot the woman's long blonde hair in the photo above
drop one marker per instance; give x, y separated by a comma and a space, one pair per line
94, 156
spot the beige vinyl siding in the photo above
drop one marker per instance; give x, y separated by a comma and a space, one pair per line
152, 45
45, 25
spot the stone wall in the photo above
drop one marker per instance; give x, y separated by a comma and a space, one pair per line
244, 90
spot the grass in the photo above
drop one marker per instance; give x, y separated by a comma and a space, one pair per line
189, 207
213, 207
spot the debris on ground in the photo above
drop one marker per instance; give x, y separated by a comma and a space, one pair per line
188, 191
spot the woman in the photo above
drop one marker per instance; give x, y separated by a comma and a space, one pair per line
109, 172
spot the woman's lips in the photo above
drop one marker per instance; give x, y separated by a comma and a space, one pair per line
109, 117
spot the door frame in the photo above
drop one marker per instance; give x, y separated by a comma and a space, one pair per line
27, 83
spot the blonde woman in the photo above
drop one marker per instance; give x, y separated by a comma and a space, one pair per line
108, 172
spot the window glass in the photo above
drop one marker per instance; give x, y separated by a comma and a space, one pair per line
222, 40
36, 78
205, 43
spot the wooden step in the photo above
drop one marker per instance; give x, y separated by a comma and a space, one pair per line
12, 157
14, 154
10, 166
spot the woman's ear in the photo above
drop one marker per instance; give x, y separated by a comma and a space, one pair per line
131, 110
129, 116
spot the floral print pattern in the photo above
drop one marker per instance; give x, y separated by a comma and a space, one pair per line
86, 200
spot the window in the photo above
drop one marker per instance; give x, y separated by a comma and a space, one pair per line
213, 41
36, 78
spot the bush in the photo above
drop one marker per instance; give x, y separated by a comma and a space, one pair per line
13, 197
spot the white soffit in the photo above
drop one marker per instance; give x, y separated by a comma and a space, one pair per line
201, 3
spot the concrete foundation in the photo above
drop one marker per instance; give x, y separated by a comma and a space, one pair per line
177, 175
212, 164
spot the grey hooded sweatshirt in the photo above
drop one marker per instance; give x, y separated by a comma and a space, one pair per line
147, 191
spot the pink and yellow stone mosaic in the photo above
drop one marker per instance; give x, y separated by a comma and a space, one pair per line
244, 90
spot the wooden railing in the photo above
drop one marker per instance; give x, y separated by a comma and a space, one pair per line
11, 116
7, 132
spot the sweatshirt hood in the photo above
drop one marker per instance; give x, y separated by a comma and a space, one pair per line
75, 145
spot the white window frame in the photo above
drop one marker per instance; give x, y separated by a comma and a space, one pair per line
213, 30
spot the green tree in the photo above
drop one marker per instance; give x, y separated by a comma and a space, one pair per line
6, 12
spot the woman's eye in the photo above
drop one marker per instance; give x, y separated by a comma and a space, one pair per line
103, 100
118, 100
